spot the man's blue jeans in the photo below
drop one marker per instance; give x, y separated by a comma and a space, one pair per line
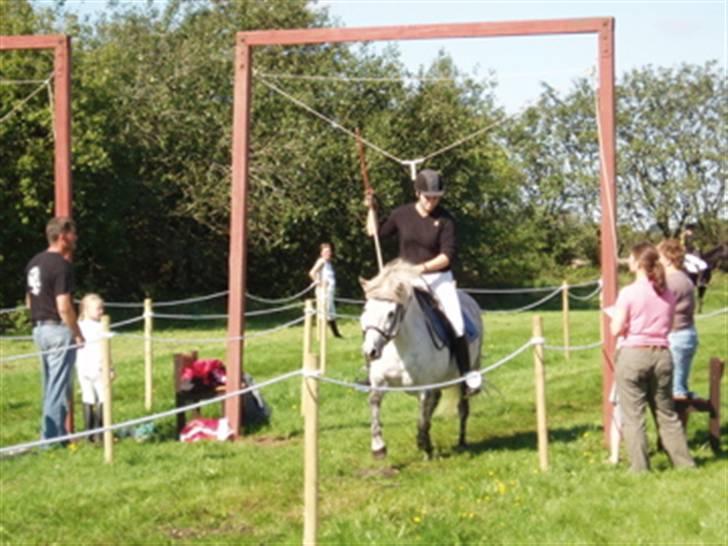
683, 344
57, 369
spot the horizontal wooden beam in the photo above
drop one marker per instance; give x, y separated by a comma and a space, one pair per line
424, 32
32, 42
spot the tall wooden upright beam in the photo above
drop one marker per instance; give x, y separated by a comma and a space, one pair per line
608, 198
61, 46
238, 230
62, 127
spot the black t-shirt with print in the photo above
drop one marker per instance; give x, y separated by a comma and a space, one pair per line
421, 239
47, 275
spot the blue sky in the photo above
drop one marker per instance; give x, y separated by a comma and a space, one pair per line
659, 33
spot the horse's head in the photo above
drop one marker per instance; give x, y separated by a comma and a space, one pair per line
388, 295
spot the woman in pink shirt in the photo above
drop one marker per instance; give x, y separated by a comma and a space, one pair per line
643, 316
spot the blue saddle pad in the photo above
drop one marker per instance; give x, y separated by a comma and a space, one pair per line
438, 324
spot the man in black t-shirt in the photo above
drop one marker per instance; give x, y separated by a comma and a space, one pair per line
49, 289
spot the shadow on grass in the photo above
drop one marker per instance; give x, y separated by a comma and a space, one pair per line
527, 439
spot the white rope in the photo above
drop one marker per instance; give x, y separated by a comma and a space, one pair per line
205, 298
162, 340
259, 312
588, 296
282, 300
352, 301
218, 339
410, 163
530, 305
133, 422
344, 78
13, 358
20, 82
316, 78
23, 102
526, 290
475, 133
126, 322
588, 347
713, 314
421, 388
333, 123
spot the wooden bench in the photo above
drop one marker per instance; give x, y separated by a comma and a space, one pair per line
185, 394
711, 406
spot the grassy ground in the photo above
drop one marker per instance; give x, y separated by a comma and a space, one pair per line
164, 492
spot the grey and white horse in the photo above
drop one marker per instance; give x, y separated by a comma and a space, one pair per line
401, 351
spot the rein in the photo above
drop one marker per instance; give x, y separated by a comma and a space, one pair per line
393, 329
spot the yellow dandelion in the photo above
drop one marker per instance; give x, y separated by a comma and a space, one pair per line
416, 519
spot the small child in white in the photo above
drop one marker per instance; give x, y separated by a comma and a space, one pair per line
88, 361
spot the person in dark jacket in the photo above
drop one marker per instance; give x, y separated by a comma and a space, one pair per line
427, 238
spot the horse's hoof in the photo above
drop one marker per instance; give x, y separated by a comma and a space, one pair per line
379, 453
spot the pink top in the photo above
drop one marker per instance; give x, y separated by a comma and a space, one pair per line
648, 314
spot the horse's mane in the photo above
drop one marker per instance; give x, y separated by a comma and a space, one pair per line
393, 283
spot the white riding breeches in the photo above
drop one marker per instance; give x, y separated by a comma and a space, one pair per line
444, 287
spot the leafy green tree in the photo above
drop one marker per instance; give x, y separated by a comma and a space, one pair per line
672, 147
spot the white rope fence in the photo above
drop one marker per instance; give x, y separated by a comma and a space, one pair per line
141, 420
19, 448
251, 335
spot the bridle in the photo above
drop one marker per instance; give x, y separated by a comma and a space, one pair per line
389, 332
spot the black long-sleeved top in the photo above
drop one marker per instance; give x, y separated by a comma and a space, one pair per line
421, 239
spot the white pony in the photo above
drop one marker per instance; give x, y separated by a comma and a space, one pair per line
401, 351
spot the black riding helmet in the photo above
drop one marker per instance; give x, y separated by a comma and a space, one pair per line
430, 183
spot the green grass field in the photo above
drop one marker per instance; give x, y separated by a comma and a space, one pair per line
250, 492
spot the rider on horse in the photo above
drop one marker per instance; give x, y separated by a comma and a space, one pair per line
427, 239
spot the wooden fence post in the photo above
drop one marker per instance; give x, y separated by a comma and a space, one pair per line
717, 367
310, 451
324, 324
106, 375
565, 318
540, 377
308, 309
148, 388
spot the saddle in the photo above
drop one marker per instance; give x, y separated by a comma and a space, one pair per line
438, 326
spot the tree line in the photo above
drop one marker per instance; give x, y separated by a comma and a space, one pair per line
152, 111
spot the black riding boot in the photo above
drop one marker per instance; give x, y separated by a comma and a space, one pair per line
99, 422
462, 358
89, 419
334, 328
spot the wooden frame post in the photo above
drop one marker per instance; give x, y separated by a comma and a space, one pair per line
106, 380
61, 46
608, 198
565, 319
602, 27
238, 230
148, 355
539, 372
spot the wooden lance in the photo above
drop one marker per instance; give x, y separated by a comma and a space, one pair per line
368, 191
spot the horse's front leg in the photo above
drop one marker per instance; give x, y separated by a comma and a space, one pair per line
463, 412
428, 403
379, 448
